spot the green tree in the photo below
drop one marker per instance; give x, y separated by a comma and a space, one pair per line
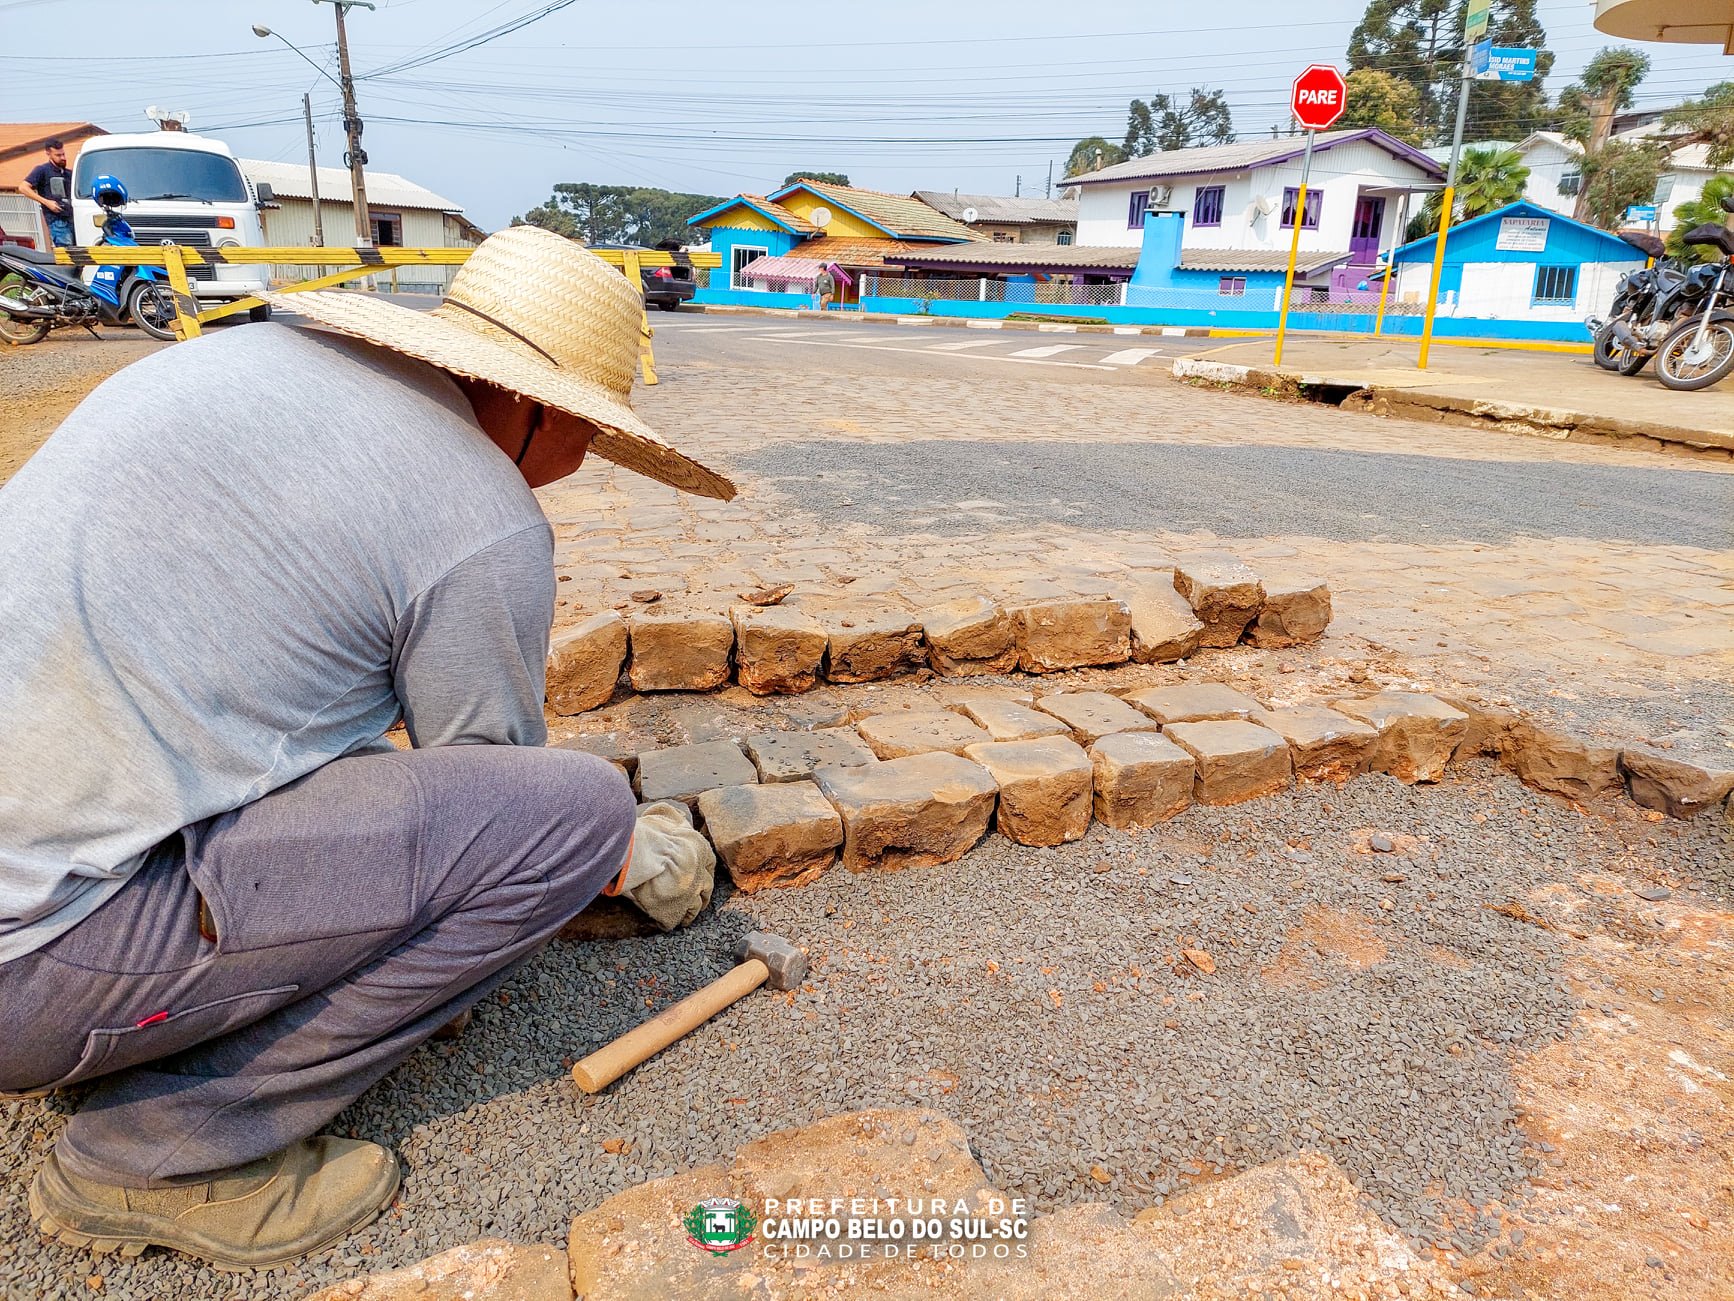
1706, 209
832, 178
1619, 174
1586, 107
1507, 110
1709, 121
618, 214
1379, 99
1168, 122
1487, 180
1086, 153
1417, 41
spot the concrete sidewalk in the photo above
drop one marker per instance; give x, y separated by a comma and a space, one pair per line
1559, 395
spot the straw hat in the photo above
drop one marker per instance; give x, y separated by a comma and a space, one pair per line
536, 314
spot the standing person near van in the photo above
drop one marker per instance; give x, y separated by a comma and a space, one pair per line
825, 288
50, 184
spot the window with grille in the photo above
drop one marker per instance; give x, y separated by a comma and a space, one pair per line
1555, 286
1064, 237
1570, 182
1136, 207
1310, 219
1207, 206
1232, 286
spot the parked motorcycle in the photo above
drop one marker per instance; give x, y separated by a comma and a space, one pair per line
1645, 304
38, 295
1700, 351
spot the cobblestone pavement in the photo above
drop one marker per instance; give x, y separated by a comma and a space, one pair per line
1567, 575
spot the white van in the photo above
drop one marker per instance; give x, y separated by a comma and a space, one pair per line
183, 188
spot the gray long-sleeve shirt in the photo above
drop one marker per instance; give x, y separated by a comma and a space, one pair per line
237, 560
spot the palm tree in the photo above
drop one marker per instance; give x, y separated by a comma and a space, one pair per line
1706, 209
1487, 180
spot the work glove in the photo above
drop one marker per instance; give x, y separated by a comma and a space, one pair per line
672, 867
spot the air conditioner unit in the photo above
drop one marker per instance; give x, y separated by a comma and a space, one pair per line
1161, 195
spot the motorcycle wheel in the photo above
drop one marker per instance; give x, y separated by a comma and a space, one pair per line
1604, 348
1679, 367
1629, 362
152, 308
20, 333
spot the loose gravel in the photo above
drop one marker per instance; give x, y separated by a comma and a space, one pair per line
1364, 1004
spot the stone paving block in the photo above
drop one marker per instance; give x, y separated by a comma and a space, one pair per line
1556, 762
1223, 593
794, 756
1092, 715
1005, 720
778, 649
684, 772
1681, 782
911, 812
680, 651
1072, 632
612, 746
1140, 779
1294, 611
1417, 733
1325, 745
970, 635
1236, 760
896, 735
1192, 702
1164, 628
1044, 788
864, 644
584, 663
782, 834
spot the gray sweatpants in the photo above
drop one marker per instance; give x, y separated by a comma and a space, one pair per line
356, 911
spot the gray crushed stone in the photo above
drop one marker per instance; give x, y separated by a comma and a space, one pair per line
1399, 1069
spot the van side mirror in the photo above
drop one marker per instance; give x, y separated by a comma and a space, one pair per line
265, 192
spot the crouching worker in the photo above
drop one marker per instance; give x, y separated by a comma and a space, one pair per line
225, 897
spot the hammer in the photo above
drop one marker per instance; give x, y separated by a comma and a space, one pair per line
760, 956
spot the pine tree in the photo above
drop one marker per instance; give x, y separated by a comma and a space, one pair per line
1168, 122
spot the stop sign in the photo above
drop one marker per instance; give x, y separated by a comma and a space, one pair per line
1319, 98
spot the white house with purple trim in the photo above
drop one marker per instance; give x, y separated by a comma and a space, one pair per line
1240, 199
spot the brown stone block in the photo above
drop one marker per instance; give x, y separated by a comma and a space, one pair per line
489, 1270
795, 756
912, 812
1325, 745
1294, 611
778, 649
1223, 593
1164, 628
1092, 715
783, 834
1044, 788
897, 735
1417, 733
865, 644
1193, 702
584, 663
1005, 720
970, 635
1072, 632
680, 651
1236, 761
1140, 779
1681, 782
684, 772
1558, 762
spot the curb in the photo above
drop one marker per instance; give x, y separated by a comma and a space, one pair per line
1413, 404
952, 322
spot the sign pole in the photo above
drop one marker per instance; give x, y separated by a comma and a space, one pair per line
1300, 216
1447, 202
1391, 264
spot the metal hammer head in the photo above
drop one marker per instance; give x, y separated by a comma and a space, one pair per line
788, 965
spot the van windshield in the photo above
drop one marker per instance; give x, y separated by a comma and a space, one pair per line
163, 174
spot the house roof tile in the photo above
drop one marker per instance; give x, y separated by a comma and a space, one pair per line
1014, 257
898, 214
1245, 155
1000, 209
21, 146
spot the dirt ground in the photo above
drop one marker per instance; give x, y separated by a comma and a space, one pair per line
1635, 1111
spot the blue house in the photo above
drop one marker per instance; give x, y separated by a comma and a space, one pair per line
1537, 273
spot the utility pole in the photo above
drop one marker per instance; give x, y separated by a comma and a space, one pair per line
1018, 187
1048, 193
356, 155
313, 173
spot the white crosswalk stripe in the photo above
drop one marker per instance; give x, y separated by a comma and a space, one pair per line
1130, 356
1052, 350
965, 344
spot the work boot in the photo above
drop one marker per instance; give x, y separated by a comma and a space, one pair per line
263, 1213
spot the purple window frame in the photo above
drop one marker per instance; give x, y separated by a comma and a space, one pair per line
1207, 205
1231, 286
1137, 204
1309, 218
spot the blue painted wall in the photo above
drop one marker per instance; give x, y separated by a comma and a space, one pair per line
1568, 242
724, 238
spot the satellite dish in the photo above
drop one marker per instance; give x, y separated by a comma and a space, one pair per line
970, 215
820, 217
1264, 204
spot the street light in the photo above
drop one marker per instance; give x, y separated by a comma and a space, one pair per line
261, 31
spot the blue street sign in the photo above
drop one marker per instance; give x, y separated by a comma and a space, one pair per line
1490, 62
1641, 212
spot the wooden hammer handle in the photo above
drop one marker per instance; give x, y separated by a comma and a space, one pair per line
608, 1063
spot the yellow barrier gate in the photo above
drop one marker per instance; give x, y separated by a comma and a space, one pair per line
353, 264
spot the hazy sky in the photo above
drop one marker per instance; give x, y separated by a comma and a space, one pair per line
710, 97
